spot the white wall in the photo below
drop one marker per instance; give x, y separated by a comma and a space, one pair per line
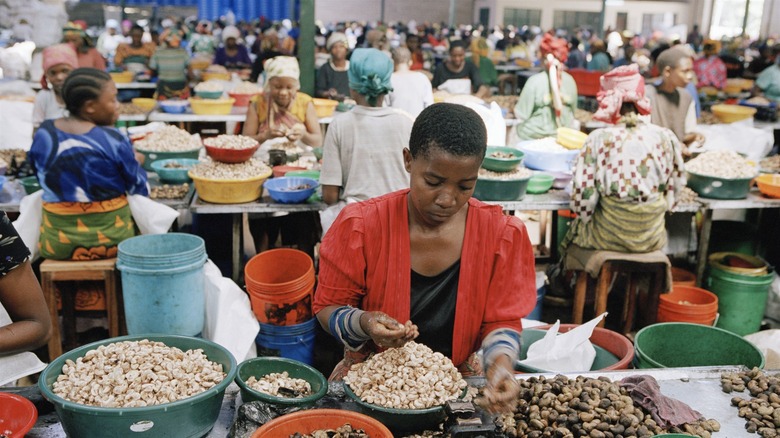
395, 10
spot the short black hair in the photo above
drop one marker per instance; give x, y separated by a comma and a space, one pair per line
457, 43
81, 85
137, 27
453, 128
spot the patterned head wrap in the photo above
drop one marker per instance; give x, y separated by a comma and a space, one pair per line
558, 47
336, 37
171, 37
74, 28
285, 66
230, 32
60, 54
369, 73
621, 84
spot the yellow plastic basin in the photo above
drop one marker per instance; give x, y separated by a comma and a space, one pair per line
769, 184
211, 107
224, 191
324, 107
570, 138
145, 103
122, 77
732, 113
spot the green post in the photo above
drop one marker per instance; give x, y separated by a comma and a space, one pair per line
306, 46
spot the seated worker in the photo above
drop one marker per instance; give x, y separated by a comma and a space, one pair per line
75, 34
421, 60
58, 61
86, 168
233, 55
170, 63
363, 153
283, 112
627, 175
136, 55
412, 90
768, 82
20, 295
332, 78
548, 99
599, 57
459, 76
710, 69
674, 107
431, 263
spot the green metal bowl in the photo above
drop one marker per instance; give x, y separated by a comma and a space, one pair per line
30, 184
500, 190
174, 175
401, 421
152, 156
190, 417
719, 188
498, 164
261, 366
209, 94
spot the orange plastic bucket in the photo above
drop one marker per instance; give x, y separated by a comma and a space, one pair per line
306, 422
279, 271
682, 277
283, 309
688, 304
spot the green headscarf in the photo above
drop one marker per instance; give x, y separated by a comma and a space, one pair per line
369, 73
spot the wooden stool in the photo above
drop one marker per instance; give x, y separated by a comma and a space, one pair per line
53, 271
654, 269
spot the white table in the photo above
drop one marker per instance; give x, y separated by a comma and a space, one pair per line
119, 85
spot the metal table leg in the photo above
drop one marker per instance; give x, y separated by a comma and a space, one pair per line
704, 244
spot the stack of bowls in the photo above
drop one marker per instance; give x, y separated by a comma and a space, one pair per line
503, 160
688, 304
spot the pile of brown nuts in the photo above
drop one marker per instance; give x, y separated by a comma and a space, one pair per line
762, 410
166, 191
345, 431
584, 407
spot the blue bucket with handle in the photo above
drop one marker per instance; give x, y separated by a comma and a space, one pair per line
288, 341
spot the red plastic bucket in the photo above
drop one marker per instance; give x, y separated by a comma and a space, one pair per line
683, 277
306, 422
688, 304
280, 283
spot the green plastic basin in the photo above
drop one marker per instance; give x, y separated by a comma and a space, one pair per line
150, 156
30, 184
190, 417
604, 359
677, 344
500, 190
540, 183
719, 188
496, 164
261, 366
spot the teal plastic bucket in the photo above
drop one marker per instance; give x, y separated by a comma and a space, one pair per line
741, 299
163, 283
288, 341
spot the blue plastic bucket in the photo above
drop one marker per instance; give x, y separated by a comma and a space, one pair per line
288, 341
541, 290
163, 283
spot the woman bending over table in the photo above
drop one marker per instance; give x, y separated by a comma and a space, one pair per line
458, 272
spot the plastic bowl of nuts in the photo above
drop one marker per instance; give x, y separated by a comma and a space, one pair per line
323, 422
174, 170
502, 159
264, 379
222, 183
389, 386
230, 148
291, 189
69, 386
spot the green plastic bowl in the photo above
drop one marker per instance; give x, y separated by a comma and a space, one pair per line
401, 420
500, 190
668, 345
261, 366
30, 184
317, 153
502, 164
540, 183
604, 359
174, 175
191, 417
150, 156
719, 188
209, 94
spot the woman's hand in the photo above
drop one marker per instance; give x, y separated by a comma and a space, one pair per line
386, 331
502, 390
296, 132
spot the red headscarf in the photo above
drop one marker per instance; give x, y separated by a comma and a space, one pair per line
58, 54
558, 47
621, 84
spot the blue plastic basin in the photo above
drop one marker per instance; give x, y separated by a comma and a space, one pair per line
285, 189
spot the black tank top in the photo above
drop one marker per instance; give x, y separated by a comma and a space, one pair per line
433, 308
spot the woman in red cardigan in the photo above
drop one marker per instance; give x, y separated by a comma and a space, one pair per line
459, 272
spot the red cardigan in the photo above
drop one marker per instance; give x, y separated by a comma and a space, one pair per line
365, 263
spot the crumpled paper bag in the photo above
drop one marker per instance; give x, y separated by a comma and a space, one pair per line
229, 318
15, 366
28, 224
567, 352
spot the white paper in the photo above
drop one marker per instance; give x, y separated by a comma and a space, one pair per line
739, 137
568, 352
230, 321
456, 86
28, 224
151, 216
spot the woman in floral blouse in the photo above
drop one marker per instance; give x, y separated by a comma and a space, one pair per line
20, 295
627, 175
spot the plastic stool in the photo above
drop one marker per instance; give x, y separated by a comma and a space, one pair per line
53, 271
